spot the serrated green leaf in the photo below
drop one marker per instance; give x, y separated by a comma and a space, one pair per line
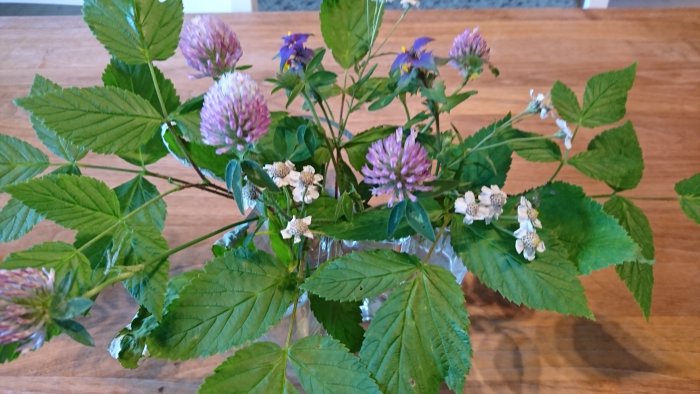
565, 102
137, 192
688, 191
9, 352
638, 275
360, 275
358, 146
345, 28
129, 344
605, 97
58, 145
235, 300
145, 245
74, 202
420, 336
614, 157
592, 238
104, 120
531, 149
324, 365
204, 156
549, 282
19, 161
16, 220
372, 224
341, 320
65, 259
259, 368
482, 167
136, 31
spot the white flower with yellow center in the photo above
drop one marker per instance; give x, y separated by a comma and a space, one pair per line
279, 172
565, 133
493, 199
468, 207
297, 228
306, 184
528, 243
527, 215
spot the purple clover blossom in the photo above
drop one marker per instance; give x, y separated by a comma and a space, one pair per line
414, 58
234, 113
398, 170
294, 55
210, 46
25, 298
469, 52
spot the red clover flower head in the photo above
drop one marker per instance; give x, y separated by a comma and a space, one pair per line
210, 46
469, 52
25, 298
234, 113
398, 170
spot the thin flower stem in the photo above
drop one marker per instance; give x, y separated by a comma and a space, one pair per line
641, 198
505, 125
565, 159
405, 108
130, 215
176, 136
437, 238
119, 278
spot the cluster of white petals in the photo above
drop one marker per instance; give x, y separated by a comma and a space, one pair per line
306, 184
297, 228
528, 242
539, 103
489, 208
565, 133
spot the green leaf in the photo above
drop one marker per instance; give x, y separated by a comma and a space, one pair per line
344, 25
456, 99
605, 97
483, 167
637, 275
146, 246
137, 192
75, 202
592, 238
136, 31
76, 331
614, 157
341, 320
65, 259
358, 146
361, 275
323, 365
204, 156
565, 102
16, 220
129, 344
549, 282
420, 336
234, 183
137, 79
58, 145
104, 120
259, 368
257, 175
235, 300
19, 161
530, 149
688, 191
372, 224
9, 352
419, 220
398, 214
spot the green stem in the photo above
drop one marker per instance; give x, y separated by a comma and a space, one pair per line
437, 238
543, 137
402, 98
133, 270
130, 215
564, 159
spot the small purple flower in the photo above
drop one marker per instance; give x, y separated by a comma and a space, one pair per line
469, 52
25, 299
398, 170
294, 55
414, 58
234, 113
210, 46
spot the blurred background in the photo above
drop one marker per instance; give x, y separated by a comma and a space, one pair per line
72, 7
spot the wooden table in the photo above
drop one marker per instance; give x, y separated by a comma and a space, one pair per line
516, 350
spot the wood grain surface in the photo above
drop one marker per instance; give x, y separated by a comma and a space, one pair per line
516, 350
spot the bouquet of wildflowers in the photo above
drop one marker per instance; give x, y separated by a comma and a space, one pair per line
304, 181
